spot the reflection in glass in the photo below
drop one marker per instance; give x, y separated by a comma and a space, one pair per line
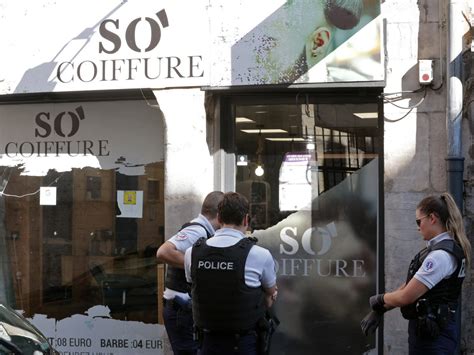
68, 257
316, 209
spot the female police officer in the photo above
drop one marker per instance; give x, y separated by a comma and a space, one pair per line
429, 297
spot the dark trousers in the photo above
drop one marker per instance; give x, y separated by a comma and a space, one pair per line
179, 325
223, 344
444, 344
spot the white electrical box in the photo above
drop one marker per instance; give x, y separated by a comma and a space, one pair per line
425, 70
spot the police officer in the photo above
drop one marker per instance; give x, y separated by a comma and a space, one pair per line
429, 297
177, 313
233, 282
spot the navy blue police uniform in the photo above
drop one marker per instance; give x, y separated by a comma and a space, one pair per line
229, 274
432, 318
177, 311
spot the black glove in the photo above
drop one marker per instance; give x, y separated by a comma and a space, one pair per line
371, 322
377, 303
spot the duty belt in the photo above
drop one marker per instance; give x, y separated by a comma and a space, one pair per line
177, 304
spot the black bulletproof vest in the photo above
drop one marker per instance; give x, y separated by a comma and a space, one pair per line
447, 290
222, 302
175, 277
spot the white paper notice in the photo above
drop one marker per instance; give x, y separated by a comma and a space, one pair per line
48, 195
130, 204
95, 333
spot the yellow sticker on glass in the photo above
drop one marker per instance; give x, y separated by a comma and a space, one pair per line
129, 197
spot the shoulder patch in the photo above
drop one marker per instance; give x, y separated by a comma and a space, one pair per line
429, 265
181, 236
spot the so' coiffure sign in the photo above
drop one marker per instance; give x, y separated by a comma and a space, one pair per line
111, 44
140, 67
63, 136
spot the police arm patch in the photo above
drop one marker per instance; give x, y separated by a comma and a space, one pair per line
429, 265
181, 236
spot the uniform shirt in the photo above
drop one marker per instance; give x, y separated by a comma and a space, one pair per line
259, 266
438, 264
184, 239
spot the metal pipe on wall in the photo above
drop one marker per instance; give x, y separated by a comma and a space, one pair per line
454, 160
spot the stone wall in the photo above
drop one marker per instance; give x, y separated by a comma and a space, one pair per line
468, 145
189, 164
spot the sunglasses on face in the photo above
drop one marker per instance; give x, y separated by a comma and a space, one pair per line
418, 220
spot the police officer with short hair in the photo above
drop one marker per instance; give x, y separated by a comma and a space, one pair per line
233, 282
429, 297
177, 313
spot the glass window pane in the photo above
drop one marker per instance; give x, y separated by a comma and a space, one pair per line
82, 211
311, 175
87, 254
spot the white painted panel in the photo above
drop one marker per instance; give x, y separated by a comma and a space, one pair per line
96, 333
63, 45
121, 135
96, 45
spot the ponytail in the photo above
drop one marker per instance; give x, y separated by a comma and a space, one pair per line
450, 216
455, 225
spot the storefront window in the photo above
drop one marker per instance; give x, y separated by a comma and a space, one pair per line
83, 251
310, 170
82, 210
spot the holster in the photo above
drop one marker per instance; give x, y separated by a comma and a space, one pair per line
431, 320
427, 327
266, 326
443, 315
